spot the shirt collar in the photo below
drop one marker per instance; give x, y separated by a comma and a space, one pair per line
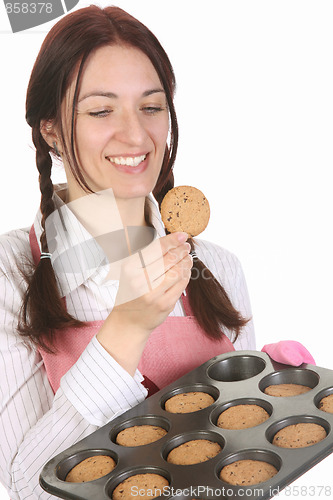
76, 255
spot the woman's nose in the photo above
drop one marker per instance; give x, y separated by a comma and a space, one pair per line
131, 129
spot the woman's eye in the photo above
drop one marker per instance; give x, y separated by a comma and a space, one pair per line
100, 114
151, 110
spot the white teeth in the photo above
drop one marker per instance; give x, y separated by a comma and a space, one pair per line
130, 161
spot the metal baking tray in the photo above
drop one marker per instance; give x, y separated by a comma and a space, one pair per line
239, 377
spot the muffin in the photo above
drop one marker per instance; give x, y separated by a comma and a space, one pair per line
326, 404
90, 469
286, 390
242, 417
193, 452
247, 472
299, 435
139, 435
149, 486
188, 402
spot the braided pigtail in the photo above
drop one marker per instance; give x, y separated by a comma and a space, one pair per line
210, 302
43, 309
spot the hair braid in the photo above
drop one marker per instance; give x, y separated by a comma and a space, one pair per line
43, 309
44, 165
210, 302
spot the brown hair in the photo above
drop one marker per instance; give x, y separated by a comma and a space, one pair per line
62, 55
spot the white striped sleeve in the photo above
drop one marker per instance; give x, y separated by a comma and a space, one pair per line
99, 387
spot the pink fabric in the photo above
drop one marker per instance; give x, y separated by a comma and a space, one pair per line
68, 346
289, 352
174, 348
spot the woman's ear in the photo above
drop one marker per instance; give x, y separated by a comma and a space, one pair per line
49, 133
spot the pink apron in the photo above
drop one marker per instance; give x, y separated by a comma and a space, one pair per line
174, 348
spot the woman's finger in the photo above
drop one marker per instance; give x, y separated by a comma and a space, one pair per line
156, 271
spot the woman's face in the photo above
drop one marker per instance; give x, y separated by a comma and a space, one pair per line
122, 123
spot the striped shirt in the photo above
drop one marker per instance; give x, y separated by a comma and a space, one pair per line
37, 424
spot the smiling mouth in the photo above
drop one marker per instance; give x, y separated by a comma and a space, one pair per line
129, 161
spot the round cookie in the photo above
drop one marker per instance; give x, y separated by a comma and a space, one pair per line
188, 402
299, 435
139, 435
90, 469
193, 452
247, 472
242, 417
286, 390
149, 486
185, 208
326, 404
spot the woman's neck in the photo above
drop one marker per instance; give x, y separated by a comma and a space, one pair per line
132, 211
102, 212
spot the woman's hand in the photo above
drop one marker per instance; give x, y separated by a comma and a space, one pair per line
151, 282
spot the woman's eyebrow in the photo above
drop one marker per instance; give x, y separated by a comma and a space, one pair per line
111, 95
96, 93
152, 91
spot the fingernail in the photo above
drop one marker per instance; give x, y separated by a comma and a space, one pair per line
182, 237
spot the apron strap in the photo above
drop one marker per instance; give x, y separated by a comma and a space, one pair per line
34, 245
186, 304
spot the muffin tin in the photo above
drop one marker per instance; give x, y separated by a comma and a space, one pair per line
239, 377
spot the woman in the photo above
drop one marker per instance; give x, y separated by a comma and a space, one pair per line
91, 329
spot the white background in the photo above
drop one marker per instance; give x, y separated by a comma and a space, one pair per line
255, 106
